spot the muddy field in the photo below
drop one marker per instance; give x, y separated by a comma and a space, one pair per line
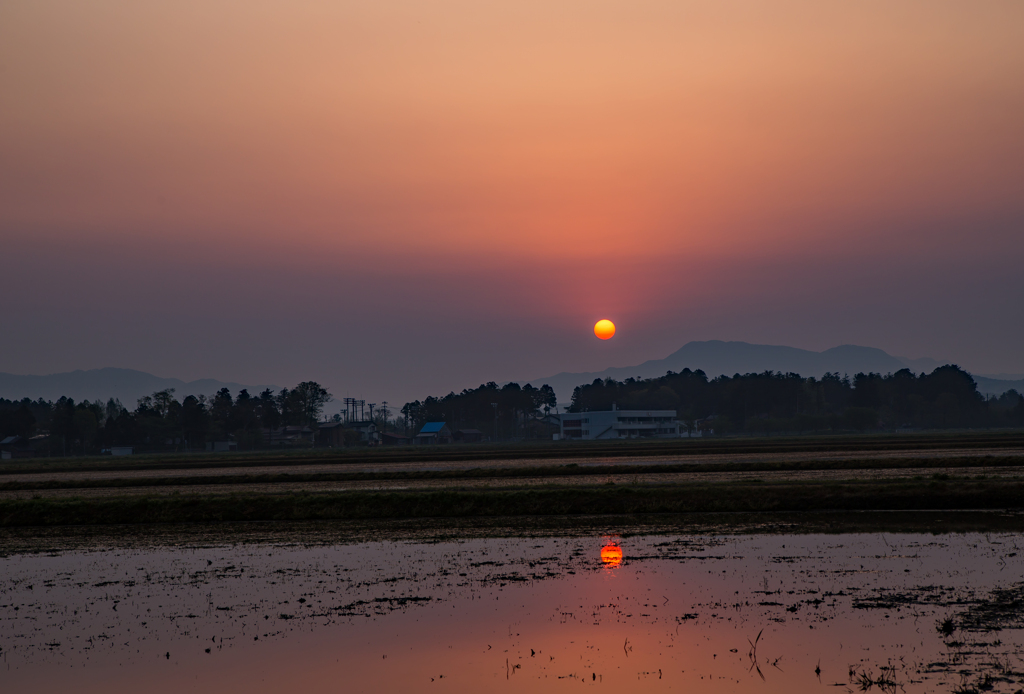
647, 478
741, 476
211, 469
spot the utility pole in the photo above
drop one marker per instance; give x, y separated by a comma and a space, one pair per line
495, 406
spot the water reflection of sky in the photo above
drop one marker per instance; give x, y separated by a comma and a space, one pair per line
537, 615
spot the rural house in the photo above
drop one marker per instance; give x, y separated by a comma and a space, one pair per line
434, 432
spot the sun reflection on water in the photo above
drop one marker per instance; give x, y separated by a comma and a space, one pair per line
611, 554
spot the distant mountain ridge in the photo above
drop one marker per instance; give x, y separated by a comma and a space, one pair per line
127, 385
717, 358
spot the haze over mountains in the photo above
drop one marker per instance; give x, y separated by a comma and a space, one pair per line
127, 385
717, 358
714, 357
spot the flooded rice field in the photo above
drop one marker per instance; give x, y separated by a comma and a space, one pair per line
663, 612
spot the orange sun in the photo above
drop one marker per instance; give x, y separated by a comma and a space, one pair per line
604, 329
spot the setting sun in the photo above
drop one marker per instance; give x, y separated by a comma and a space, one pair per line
604, 329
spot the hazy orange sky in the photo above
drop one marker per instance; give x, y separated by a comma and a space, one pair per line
404, 198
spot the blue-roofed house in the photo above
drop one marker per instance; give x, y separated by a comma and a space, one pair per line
434, 432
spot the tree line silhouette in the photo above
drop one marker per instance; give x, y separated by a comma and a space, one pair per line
160, 421
763, 403
769, 402
501, 412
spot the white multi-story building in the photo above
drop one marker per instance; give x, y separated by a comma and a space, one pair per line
621, 424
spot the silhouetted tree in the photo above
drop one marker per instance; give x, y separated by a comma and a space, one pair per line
310, 398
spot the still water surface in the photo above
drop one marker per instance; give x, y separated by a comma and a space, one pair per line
647, 613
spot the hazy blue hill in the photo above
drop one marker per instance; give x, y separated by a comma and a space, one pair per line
996, 386
925, 364
717, 358
127, 385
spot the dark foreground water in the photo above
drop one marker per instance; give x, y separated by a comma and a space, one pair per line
651, 613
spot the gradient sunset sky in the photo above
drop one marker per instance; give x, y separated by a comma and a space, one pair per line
399, 199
